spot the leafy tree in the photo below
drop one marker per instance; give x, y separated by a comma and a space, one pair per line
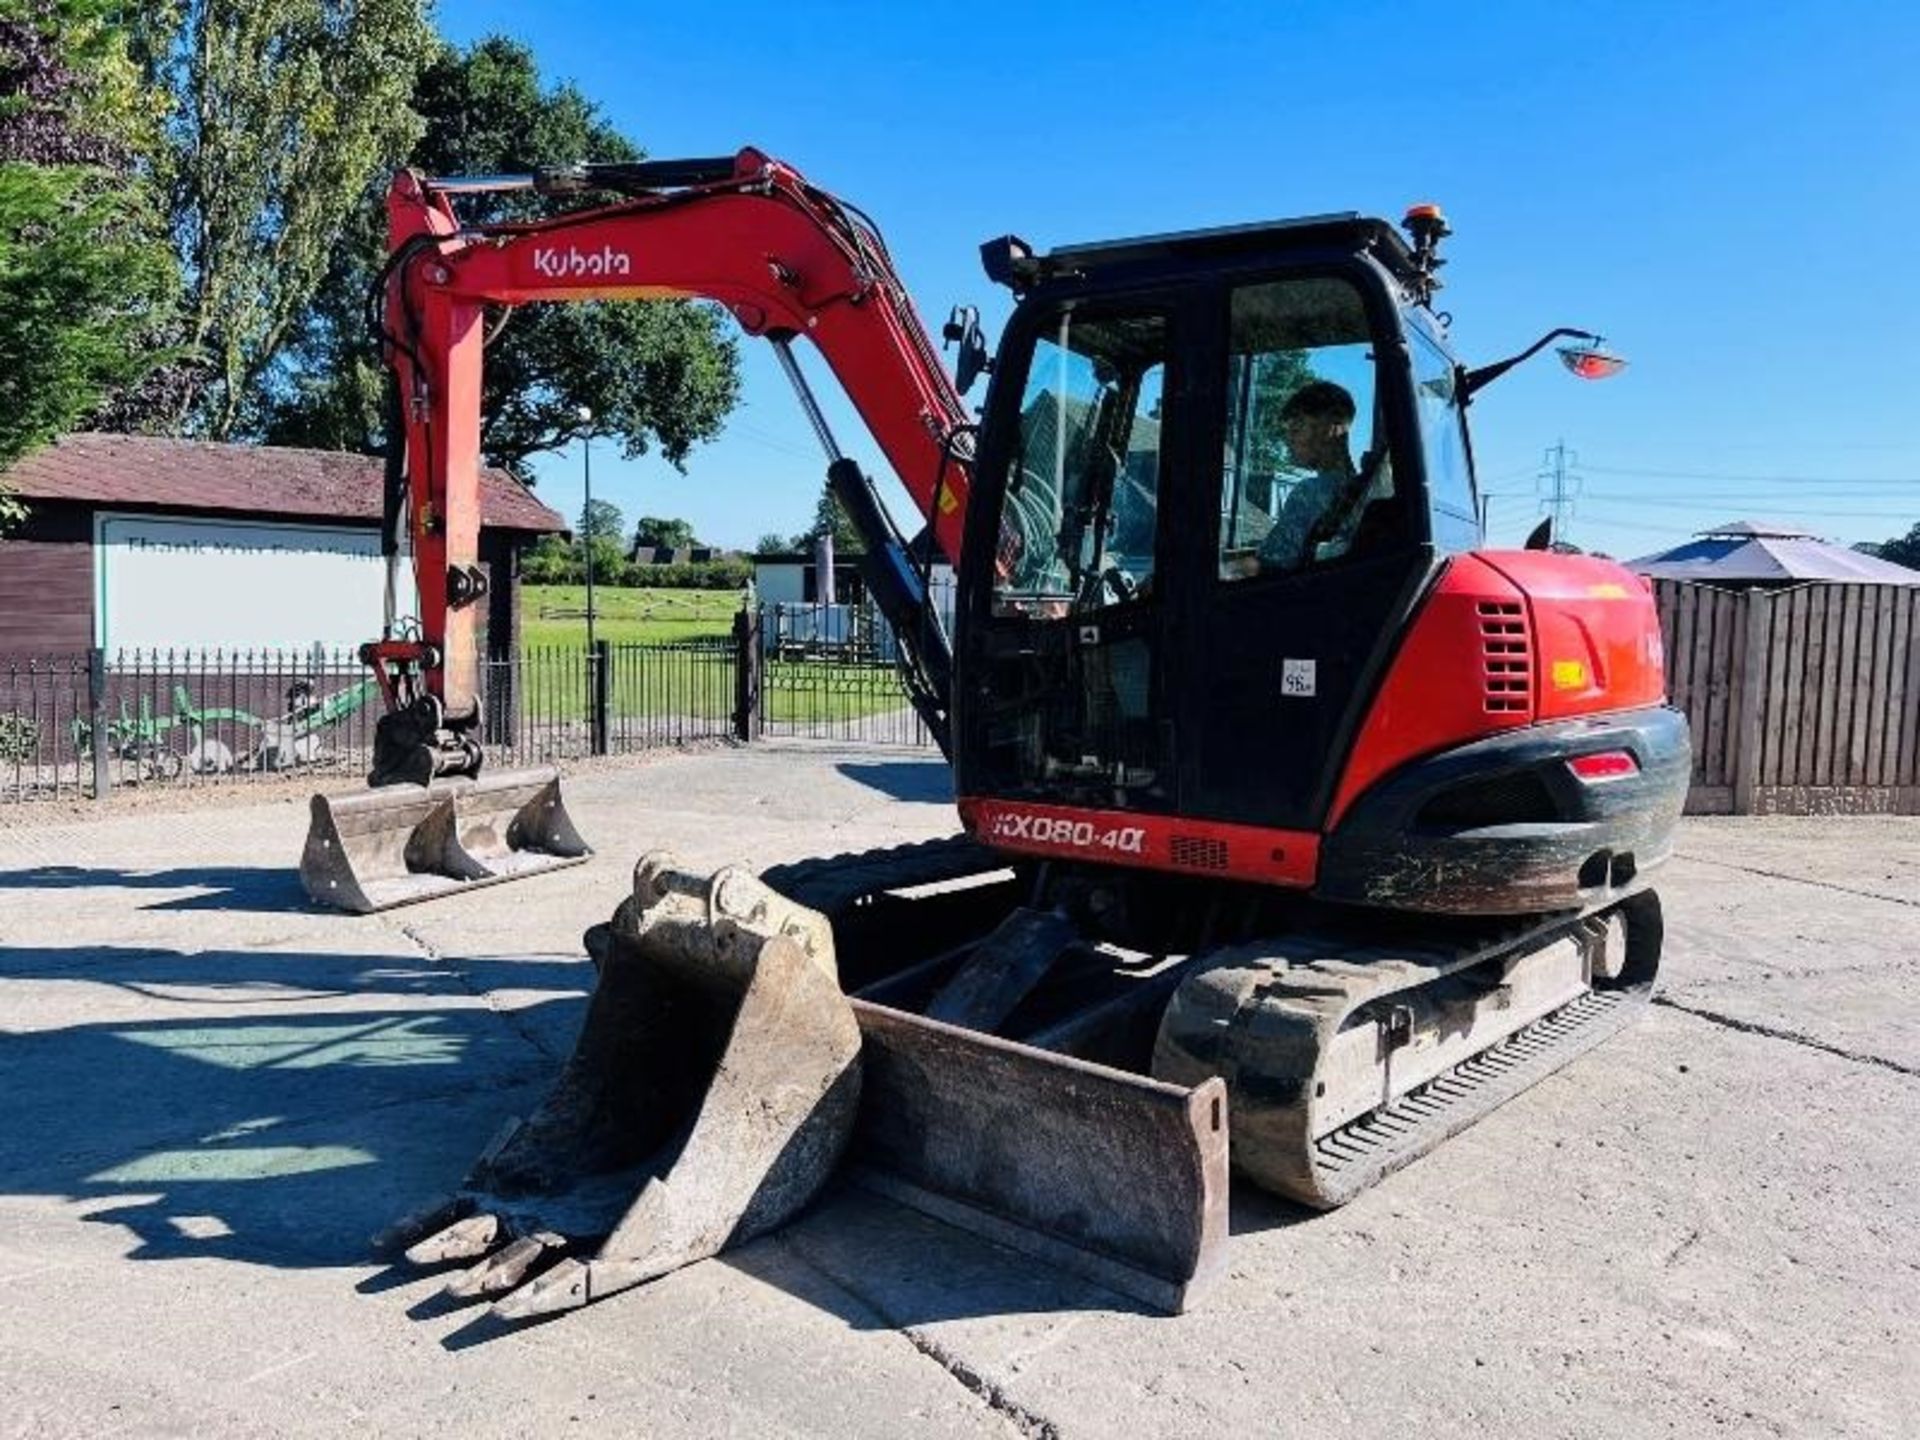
654, 374
610, 563
552, 561
83, 267
601, 520
1262, 384
666, 534
284, 111
1901, 550
830, 517
771, 543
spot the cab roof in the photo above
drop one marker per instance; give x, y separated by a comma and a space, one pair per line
1347, 230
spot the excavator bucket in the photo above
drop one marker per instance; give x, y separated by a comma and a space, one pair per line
396, 844
711, 1093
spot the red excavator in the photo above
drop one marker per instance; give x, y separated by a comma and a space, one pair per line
1288, 809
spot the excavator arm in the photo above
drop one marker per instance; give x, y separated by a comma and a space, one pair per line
785, 258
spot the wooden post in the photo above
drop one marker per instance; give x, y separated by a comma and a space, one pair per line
97, 720
1749, 703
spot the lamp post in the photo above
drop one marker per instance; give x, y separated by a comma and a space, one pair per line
585, 414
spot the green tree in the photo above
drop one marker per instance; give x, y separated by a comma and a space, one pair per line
830, 516
284, 111
83, 268
659, 374
1901, 550
771, 543
666, 534
553, 560
601, 520
610, 563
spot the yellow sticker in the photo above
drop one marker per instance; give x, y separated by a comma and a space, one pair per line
949, 502
1569, 675
1609, 590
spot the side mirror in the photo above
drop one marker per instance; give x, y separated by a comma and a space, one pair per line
970, 360
1590, 360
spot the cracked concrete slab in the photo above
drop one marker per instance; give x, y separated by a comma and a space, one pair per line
210, 1094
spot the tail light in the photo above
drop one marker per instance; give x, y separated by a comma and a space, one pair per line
1604, 765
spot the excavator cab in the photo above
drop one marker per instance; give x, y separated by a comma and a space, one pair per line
1216, 471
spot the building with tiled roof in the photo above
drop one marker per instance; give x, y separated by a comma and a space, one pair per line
140, 541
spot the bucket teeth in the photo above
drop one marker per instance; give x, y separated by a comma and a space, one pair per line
462, 1240
419, 1223
506, 1268
397, 844
710, 1095
564, 1287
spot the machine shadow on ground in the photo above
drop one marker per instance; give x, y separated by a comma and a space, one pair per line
926, 781
283, 1138
263, 890
310, 1099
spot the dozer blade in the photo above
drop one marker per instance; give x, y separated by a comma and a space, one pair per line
1111, 1175
398, 844
711, 1093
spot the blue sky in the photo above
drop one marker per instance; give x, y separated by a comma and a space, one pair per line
1730, 192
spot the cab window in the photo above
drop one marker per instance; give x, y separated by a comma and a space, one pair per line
1456, 524
1307, 476
1080, 518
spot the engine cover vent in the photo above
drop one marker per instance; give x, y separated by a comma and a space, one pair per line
1507, 653
1199, 852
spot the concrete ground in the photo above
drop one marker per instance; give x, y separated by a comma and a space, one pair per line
211, 1094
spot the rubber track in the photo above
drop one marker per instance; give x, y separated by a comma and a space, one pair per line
833, 883
1263, 1016
1350, 1159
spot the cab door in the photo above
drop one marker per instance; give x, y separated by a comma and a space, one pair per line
1312, 548
1063, 696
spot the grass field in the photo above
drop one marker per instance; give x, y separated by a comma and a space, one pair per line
668, 682
556, 615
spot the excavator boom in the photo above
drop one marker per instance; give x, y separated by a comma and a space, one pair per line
786, 260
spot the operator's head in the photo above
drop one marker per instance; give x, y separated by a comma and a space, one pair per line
1316, 421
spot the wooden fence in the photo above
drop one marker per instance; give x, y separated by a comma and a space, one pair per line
1803, 701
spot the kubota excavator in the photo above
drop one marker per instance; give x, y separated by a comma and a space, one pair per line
1287, 808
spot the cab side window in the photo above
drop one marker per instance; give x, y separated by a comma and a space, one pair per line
1443, 441
1307, 477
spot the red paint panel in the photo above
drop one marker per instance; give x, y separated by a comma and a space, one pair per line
1150, 842
1466, 669
1507, 638
1596, 631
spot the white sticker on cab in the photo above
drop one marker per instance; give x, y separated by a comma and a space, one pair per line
1298, 678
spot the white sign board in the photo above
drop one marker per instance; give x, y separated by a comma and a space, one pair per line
164, 583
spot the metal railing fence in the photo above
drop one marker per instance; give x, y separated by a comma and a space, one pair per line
83, 724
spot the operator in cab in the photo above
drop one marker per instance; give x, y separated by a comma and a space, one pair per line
1317, 424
